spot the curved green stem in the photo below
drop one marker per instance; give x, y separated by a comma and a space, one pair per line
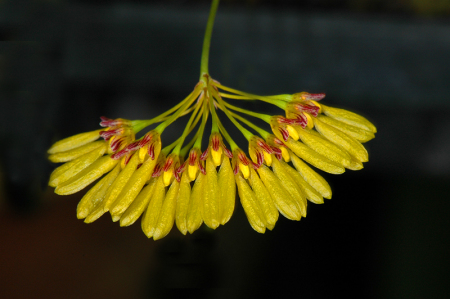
207, 40
187, 129
261, 116
198, 141
264, 134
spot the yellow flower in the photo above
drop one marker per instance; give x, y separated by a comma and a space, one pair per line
180, 185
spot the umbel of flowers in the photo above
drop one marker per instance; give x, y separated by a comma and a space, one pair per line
187, 185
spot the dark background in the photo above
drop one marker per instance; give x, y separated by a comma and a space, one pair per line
385, 233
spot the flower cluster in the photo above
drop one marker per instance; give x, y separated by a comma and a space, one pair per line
186, 185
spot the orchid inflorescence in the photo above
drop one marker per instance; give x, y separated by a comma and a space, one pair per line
180, 183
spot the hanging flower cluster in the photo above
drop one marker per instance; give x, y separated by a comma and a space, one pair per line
187, 185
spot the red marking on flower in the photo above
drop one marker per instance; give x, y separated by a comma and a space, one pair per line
193, 157
284, 133
205, 154
243, 158
278, 155
151, 151
139, 166
283, 120
168, 163
215, 142
127, 159
107, 122
108, 134
228, 153
202, 168
236, 169
147, 138
177, 176
316, 96
277, 141
116, 144
132, 146
259, 160
307, 107
157, 171
301, 120
181, 168
276, 151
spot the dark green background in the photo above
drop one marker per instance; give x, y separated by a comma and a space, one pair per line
385, 233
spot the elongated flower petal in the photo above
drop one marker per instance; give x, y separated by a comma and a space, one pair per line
151, 215
359, 134
314, 158
133, 187
311, 177
324, 147
210, 207
250, 205
194, 214
139, 205
96, 194
290, 185
167, 215
184, 195
75, 153
227, 189
310, 193
268, 208
74, 142
281, 198
87, 176
347, 142
69, 170
120, 182
349, 118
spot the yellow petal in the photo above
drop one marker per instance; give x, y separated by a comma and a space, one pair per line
120, 182
355, 164
76, 152
310, 193
290, 185
184, 195
192, 172
250, 205
311, 177
244, 170
95, 214
95, 195
359, 134
314, 158
285, 154
268, 208
227, 188
74, 141
151, 215
324, 147
132, 187
167, 215
70, 169
87, 176
138, 206
210, 207
216, 156
281, 198
292, 132
194, 214
350, 118
267, 159
347, 142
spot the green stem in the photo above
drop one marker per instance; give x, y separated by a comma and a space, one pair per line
264, 134
198, 141
187, 129
207, 40
261, 116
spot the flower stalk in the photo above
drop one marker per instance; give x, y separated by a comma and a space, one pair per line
187, 185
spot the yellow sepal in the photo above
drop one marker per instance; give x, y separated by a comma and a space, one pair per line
285, 154
281, 198
167, 215
310, 193
74, 141
210, 207
347, 142
184, 195
292, 132
250, 205
314, 158
95, 195
194, 213
86, 176
75, 153
267, 159
139, 205
115, 189
311, 177
290, 185
132, 187
66, 171
324, 147
151, 215
268, 208
227, 189
192, 172
217, 156
244, 170
350, 118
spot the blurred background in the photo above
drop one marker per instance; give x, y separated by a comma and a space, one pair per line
385, 233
